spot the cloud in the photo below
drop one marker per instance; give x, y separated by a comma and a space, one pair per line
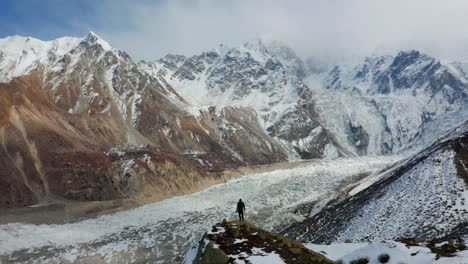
322, 28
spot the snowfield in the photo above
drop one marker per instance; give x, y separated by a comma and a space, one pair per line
423, 197
398, 252
162, 232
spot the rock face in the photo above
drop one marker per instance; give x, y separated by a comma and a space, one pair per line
241, 242
89, 124
424, 196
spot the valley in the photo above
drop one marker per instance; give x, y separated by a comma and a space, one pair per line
162, 232
108, 159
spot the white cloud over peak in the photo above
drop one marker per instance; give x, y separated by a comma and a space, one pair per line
321, 28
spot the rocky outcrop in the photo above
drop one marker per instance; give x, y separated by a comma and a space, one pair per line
241, 242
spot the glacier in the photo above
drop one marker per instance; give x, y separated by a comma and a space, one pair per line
163, 231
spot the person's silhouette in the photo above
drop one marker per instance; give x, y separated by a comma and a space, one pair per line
241, 209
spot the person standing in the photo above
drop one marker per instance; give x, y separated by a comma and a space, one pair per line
241, 209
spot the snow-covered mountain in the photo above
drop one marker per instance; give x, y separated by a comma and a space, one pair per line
115, 127
264, 76
77, 106
81, 121
390, 104
20, 55
424, 196
387, 104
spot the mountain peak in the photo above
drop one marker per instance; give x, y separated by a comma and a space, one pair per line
92, 34
256, 45
413, 55
92, 39
21, 54
417, 60
409, 52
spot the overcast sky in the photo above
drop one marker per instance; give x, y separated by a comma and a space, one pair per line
321, 28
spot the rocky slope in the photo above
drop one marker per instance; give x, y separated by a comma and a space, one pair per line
84, 122
241, 242
424, 196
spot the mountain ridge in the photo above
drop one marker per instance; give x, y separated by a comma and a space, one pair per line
259, 108
94, 99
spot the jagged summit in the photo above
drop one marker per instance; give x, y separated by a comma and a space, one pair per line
93, 39
255, 48
411, 53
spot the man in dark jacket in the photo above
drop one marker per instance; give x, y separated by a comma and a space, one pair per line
241, 209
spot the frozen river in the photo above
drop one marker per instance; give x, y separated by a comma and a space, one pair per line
162, 232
